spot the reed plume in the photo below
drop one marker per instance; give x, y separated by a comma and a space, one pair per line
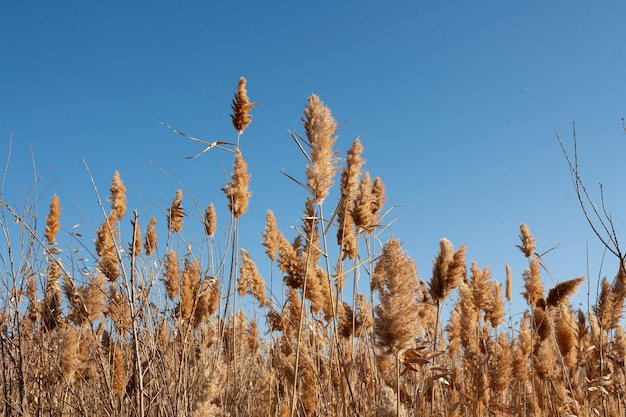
320, 127
135, 246
250, 281
51, 305
119, 310
533, 285
88, 303
241, 107
509, 283
52, 221
369, 202
566, 337
210, 220
118, 371
176, 213
364, 218
237, 189
379, 198
448, 271
270, 235
151, 239
350, 178
500, 367
106, 248
189, 289
396, 323
171, 277
528, 241
118, 197
561, 291
494, 311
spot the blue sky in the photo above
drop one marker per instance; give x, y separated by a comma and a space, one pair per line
456, 104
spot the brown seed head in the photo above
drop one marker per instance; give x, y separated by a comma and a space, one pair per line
176, 214
528, 241
320, 127
250, 280
448, 271
171, 278
270, 235
396, 321
561, 291
107, 235
210, 220
509, 282
151, 238
135, 246
189, 290
533, 285
118, 196
352, 172
237, 189
52, 221
379, 197
241, 107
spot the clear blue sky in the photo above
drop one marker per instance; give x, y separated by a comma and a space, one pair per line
456, 103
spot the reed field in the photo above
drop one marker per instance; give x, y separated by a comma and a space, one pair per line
150, 329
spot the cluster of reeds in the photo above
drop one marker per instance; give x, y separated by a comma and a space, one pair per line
150, 329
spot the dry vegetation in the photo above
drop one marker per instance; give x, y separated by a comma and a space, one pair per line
151, 330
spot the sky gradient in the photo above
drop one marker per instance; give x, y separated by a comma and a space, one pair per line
456, 104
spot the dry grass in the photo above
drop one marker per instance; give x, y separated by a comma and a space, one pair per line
159, 332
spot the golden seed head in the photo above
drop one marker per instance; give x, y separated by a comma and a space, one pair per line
528, 241
320, 127
52, 221
270, 235
175, 218
151, 238
237, 189
241, 107
210, 220
118, 196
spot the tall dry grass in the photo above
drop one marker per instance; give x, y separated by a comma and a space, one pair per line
151, 330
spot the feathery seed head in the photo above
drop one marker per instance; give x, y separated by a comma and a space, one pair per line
351, 173
237, 189
176, 213
528, 241
448, 270
52, 221
250, 280
561, 291
118, 196
241, 107
509, 282
397, 316
210, 220
171, 278
151, 239
320, 127
533, 285
270, 235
